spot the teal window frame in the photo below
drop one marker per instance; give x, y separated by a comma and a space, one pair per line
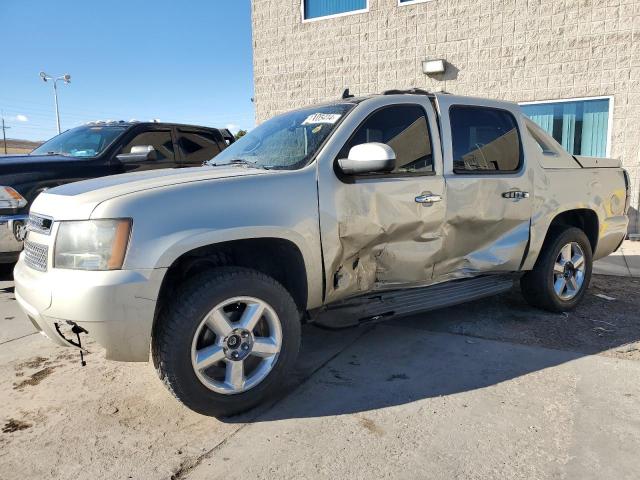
402, 3
581, 125
337, 10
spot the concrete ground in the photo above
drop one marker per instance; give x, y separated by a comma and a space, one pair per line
490, 390
625, 262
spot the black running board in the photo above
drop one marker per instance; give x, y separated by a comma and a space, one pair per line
394, 303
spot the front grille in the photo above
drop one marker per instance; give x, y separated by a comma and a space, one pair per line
35, 255
39, 223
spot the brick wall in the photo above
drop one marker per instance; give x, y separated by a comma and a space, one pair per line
518, 50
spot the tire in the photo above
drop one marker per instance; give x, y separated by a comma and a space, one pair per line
539, 286
183, 332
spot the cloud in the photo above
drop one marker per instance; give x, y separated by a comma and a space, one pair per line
22, 118
232, 127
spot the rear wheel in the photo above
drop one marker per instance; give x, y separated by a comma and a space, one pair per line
562, 272
227, 341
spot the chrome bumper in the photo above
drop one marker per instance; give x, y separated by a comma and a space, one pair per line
10, 246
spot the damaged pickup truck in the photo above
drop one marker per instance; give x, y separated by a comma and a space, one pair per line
352, 211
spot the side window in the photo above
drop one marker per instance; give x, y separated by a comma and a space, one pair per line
198, 147
405, 129
484, 139
160, 141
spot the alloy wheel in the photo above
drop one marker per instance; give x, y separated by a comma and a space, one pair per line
569, 271
236, 345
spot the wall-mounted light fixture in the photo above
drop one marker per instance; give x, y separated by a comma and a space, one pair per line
432, 67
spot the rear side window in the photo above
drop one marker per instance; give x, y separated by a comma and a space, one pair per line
198, 147
484, 140
160, 141
405, 129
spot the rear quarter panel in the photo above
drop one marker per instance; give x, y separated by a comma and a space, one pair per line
559, 190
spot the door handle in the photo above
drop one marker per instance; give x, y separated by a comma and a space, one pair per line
515, 194
428, 198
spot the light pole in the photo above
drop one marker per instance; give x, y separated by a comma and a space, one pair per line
67, 79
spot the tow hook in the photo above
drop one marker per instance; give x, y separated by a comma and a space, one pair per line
77, 329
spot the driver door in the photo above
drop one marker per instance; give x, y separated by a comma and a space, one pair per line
378, 232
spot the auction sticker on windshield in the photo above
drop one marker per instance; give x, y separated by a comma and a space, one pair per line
322, 118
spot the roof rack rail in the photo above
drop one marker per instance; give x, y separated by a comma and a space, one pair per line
411, 91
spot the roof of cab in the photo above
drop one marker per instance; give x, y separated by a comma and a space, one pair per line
420, 92
131, 123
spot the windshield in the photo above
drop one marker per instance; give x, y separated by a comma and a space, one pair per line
80, 141
288, 141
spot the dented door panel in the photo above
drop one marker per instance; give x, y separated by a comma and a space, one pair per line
375, 235
488, 215
386, 239
484, 231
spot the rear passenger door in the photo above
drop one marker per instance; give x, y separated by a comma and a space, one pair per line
198, 146
488, 188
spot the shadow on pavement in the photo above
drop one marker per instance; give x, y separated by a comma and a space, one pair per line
6, 271
404, 360
633, 264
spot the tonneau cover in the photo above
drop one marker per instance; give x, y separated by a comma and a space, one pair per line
595, 162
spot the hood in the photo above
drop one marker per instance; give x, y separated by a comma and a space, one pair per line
12, 161
77, 200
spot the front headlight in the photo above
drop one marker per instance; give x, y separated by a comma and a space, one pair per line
92, 244
9, 198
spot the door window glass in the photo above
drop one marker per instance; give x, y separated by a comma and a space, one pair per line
198, 147
484, 139
405, 129
160, 141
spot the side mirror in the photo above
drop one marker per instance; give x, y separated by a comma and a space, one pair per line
368, 158
139, 153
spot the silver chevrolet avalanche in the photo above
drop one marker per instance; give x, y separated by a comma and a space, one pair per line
348, 212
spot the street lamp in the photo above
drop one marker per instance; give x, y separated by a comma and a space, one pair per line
67, 79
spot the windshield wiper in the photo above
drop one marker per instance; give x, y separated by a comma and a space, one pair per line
237, 161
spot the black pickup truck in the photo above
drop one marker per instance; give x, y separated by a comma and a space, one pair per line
94, 150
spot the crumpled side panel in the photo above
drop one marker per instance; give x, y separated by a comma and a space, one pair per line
385, 238
494, 248
484, 231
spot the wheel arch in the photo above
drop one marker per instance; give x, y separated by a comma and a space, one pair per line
583, 218
586, 219
277, 257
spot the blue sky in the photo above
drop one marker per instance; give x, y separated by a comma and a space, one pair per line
176, 61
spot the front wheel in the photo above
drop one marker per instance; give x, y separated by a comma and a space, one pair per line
562, 272
227, 340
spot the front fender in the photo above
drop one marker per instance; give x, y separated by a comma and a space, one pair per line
184, 242
173, 220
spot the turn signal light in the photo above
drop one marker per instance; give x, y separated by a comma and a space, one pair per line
9, 198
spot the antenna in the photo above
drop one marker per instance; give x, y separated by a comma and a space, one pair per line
346, 94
